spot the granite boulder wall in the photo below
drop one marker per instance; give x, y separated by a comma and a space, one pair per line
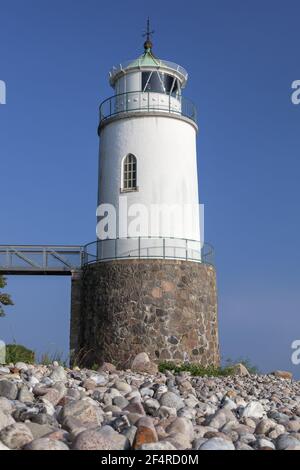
167, 308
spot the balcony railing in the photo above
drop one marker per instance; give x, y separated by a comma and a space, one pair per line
148, 247
141, 101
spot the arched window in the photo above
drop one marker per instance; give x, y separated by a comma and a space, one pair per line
129, 173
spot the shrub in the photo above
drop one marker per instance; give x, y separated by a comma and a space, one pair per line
18, 353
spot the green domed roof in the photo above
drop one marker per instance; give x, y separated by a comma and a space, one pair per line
148, 60
145, 60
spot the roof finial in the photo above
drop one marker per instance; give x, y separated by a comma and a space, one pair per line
148, 33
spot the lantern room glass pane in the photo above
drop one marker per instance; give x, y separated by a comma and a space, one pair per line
159, 82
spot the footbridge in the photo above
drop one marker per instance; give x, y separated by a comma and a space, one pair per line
65, 260
40, 259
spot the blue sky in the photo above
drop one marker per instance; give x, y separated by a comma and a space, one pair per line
242, 58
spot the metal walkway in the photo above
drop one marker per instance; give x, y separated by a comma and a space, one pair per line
40, 259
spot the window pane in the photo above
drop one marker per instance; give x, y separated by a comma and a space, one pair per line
145, 77
129, 172
167, 81
154, 83
159, 82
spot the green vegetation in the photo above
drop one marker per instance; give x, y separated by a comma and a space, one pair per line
211, 371
18, 353
4, 298
196, 369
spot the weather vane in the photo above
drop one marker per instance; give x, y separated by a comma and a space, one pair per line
147, 34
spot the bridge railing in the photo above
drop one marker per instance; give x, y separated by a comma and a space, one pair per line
39, 259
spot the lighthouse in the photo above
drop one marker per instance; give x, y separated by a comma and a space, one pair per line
147, 158
148, 283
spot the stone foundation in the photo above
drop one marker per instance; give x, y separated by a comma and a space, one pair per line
167, 308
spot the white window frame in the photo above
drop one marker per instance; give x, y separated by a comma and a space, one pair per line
129, 173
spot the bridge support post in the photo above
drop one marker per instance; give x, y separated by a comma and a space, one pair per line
75, 315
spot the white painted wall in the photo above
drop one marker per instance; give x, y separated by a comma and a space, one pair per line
165, 149
129, 82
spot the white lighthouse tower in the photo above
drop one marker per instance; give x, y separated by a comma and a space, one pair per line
148, 283
148, 163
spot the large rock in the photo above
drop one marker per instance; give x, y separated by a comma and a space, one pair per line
129, 432
45, 443
105, 438
221, 418
122, 386
85, 412
142, 363
285, 441
52, 395
107, 367
6, 405
3, 447
253, 409
145, 433
179, 441
16, 435
21, 366
5, 420
122, 402
74, 426
265, 426
8, 389
240, 369
25, 395
217, 443
163, 445
293, 425
39, 430
183, 426
135, 407
283, 374
264, 444
151, 406
172, 400
242, 446
58, 374
99, 379
277, 431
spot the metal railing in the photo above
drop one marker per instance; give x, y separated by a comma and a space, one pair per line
148, 247
63, 260
147, 101
40, 259
164, 64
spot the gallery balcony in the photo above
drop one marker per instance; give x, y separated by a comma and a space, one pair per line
146, 102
